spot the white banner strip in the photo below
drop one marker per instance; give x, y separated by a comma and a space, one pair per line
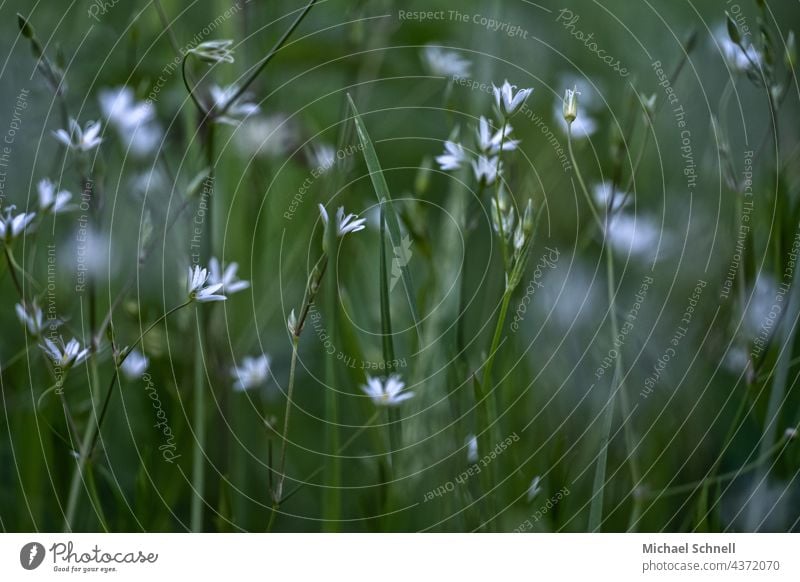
400, 557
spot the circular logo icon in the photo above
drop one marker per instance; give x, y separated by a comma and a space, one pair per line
31, 555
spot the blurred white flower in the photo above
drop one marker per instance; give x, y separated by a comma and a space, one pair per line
65, 356
323, 157
732, 54
489, 141
534, 489
388, 392
269, 137
239, 109
636, 234
252, 372
50, 201
13, 225
453, 156
446, 63
344, 224
487, 169
31, 317
472, 449
135, 121
602, 191
198, 289
227, 278
760, 304
134, 365
508, 100
78, 139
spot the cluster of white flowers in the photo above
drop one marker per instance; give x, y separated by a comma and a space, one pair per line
491, 141
506, 220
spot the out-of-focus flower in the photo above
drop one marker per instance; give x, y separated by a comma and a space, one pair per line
65, 356
508, 100
51, 201
453, 156
445, 63
236, 111
269, 137
534, 489
472, 449
602, 192
487, 169
31, 317
489, 141
737, 59
227, 278
388, 392
135, 121
13, 225
252, 372
78, 139
134, 365
323, 157
200, 291
636, 234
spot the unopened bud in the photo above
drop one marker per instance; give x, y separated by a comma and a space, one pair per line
571, 105
733, 30
790, 58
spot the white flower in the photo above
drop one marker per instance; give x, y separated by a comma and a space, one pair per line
472, 449
134, 121
387, 392
78, 139
251, 373
446, 63
323, 157
230, 284
534, 488
14, 225
638, 235
489, 141
65, 356
199, 291
507, 102
738, 60
50, 201
32, 318
486, 169
602, 191
134, 365
453, 156
344, 224
239, 109
583, 125
503, 214
214, 51
269, 137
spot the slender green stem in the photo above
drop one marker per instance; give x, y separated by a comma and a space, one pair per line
265, 61
585, 191
286, 417
11, 270
90, 437
497, 182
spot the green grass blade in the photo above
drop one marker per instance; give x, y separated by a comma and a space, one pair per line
384, 196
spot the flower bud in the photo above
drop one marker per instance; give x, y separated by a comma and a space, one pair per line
733, 30
527, 219
571, 105
214, 51
790, 58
